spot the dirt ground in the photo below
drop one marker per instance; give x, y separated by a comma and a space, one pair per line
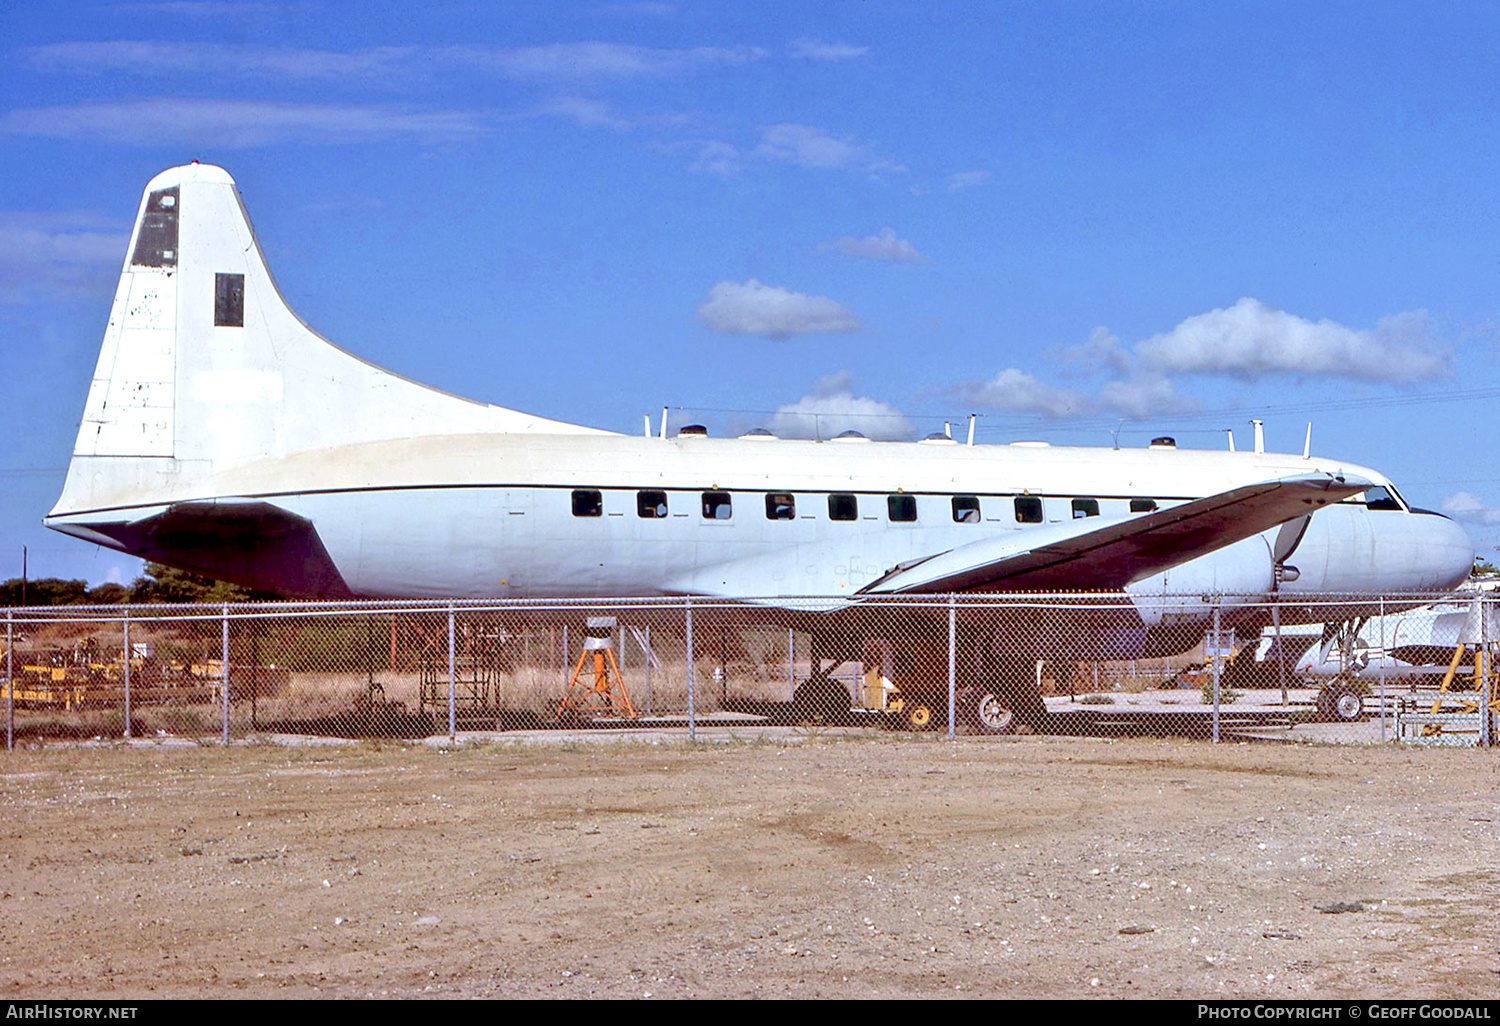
886, 866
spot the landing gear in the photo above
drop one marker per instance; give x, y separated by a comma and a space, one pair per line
1341, 703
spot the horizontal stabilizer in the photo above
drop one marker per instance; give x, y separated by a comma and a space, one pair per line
261, 546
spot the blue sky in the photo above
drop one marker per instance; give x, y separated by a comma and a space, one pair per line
1079, 220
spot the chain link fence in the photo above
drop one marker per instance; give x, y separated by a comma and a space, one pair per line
1338, 667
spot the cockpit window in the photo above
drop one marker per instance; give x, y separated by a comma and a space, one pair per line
1379, 498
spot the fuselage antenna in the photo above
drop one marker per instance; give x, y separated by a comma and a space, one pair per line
664, 423
1307, 443
1230, 433
973, 417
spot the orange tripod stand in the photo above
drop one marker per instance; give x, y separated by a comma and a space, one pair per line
605, 695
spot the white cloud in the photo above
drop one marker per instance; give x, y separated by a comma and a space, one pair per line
1144, 395
807, 146
1101, 352
717, 158
556, 62
756, 309
236, 123
967, 180
217, 9
884, 247
1468, 507
1247, 341
594, 61
1250, 340
56, 256
1019, 392
156, 58
646, 9
816, 50
585, 112
832, 408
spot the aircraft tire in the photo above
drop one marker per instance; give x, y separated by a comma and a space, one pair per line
990, 712
1340, 703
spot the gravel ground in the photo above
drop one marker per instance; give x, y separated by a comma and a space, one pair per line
806, 866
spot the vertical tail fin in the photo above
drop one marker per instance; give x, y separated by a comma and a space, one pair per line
205, 368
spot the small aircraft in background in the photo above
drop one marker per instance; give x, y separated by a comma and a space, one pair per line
223, 436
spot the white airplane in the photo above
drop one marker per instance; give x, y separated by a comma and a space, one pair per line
224, 436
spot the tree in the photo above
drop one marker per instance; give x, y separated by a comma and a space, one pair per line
54, 591
168, 584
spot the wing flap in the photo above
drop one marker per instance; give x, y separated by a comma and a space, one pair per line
1100, 554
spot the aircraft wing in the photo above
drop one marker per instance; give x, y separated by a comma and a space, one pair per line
1097, 554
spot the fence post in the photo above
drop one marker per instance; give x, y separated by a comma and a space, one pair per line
125, 630
224, 671
952, 667
791, 672
10, 685
1485, 738
1216, 671
650, 658
692, 709
452, 686
1383, 658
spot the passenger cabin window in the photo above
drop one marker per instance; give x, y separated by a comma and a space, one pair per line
965, 509
1085, 508
1028, 509
716, 506
843, 506
902, 509
780, 506
1143, 506
651, 504
587, 502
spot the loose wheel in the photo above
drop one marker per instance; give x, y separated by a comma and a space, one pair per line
991, 713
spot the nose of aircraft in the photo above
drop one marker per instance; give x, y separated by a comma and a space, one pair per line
1445, 553
1349, 548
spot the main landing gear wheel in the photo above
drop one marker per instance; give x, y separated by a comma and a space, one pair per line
990, 713
1341, 703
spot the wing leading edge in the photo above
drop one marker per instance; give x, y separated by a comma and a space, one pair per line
1107, 556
